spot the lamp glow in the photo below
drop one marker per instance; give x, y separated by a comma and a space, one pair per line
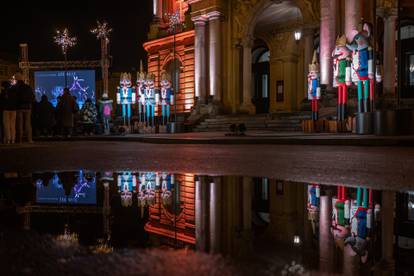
298, 35
296, 240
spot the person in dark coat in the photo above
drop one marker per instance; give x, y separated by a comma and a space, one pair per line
26, 99
45, 116
10, 101
66, 109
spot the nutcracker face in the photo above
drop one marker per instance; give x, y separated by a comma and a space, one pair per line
313, 75
361, 38
125, 81
341, 52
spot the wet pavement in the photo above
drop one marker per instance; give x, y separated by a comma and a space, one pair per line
136, 222
379, 167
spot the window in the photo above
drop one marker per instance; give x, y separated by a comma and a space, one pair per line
407, 32
411, 70
265, 86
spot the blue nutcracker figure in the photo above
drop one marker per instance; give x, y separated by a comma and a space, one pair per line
127, 183
141, 94
363, 67
167, 97
314, 91
151, 100
126, 97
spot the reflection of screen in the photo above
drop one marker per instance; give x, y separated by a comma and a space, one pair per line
81, 84
83, 191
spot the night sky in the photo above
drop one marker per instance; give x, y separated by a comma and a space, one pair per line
35, 22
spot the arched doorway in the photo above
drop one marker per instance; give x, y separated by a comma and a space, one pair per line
173, 68
261, 78
407, 59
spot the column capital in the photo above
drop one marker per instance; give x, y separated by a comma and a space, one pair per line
199, 20
387, 13
214, 15
247, 41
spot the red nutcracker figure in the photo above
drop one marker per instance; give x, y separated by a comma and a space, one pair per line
342, 74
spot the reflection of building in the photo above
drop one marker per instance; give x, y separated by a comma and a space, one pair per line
7, 69
244, 56
174, 219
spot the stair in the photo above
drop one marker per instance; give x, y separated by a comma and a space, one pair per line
280, 122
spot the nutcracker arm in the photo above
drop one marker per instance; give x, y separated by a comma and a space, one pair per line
370, 63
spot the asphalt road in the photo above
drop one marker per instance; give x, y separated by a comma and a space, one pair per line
379, 167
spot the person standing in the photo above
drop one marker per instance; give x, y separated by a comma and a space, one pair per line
9, 99
66, 110
26, 98
45, 116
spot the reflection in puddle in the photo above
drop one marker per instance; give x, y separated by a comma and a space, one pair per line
261, 223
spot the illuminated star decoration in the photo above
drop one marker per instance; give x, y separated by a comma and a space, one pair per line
102, 31
174, 21
64, 40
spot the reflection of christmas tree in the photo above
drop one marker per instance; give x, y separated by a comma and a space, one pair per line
39, 92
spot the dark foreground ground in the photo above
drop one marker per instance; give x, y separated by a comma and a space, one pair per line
379, 167
28, 253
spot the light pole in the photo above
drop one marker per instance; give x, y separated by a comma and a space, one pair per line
63, 40
102, 31
174, 22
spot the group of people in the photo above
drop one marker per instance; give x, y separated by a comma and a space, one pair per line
21, 115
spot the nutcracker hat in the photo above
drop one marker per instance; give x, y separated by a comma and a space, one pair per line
125, 76
314, 66
150, 77
341, 40
141, 73
364, 29
165, 76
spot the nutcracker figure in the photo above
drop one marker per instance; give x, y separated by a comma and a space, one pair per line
151, 100
167, 97
363, 67
314, 91
126, 97
342, 74
141, 94
105, 108
340, 211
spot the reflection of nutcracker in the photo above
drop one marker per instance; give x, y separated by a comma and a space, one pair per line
141, 94
363, 67
125, 96
151, 100
127, 183
314, 91
342, 74
313, 205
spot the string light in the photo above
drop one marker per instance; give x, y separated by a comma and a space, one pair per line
64, 40
102, 30
174, 21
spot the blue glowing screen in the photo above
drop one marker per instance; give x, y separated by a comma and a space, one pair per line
81, 84
82, 191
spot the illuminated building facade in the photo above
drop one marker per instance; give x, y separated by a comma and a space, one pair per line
253, 56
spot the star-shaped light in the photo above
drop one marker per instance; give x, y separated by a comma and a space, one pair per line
102, 30
64, 40
174, 21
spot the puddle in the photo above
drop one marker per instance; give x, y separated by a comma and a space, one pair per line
261, 225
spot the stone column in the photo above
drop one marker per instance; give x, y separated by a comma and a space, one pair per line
24, 62
352, 17
387, 229
215, 55
200, 59
247, 105
215, 215
327, 39
325, 238
200, 214
390, 18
